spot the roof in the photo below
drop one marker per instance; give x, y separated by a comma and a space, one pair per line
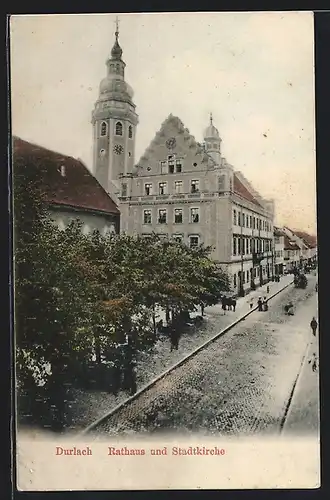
242, 191
76, 188
278, 232
308, 238
290, 245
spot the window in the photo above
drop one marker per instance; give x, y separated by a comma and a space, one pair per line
163, 167
130, 132
194, 214
162, 216
148, 189
193, 241
254, 222
234, 218
234, 245
104, 128
162, 187
239, 245
171, 167
251, 221
178, 216
119, 128
247, 276
147, 217
235, 280
194, 186
243, 245
221, 183
178, 187
243, 220
124, 190
178, 238
239, 218
178, 166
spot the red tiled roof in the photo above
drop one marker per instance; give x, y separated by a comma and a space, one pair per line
290, 245
78, 188
308, 238
241, 190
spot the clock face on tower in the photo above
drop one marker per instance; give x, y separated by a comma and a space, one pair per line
118, 149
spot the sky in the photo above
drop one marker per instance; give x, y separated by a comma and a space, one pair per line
253, 71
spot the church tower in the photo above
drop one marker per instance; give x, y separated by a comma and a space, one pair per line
114, 123
213, 142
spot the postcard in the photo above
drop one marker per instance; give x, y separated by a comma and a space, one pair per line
165, 251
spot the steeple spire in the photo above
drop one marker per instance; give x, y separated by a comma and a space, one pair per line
211, 119
116, 51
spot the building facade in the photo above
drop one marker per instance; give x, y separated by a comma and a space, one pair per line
279, 262
181, 188
71, 191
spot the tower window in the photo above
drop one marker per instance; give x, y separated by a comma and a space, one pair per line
178, 166
171, 167
104, 128
130, 132
124, 190
119, 128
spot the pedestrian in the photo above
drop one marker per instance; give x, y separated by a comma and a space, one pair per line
265, 304
224, 304
251, 303
314, 326
314, 362
267, 289
260, 304
174, 337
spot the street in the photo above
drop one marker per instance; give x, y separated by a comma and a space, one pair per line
238, 385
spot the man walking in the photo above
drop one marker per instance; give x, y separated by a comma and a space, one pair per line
260, 304
314, 326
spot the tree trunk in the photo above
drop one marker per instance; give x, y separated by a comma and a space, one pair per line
97, 348
167, 315
202, 309
154, 320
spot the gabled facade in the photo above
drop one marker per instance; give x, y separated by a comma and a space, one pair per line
71, 191
279, 261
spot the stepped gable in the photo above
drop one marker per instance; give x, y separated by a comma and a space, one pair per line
157, 140
77, 187
242, 191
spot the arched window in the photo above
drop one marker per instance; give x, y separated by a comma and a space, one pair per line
103, 128
119, 128
130, 132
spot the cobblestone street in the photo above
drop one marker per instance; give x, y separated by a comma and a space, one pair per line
239, 384
90, 405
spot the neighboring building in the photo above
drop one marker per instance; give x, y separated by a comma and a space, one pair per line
310, 255
279, 265
70, 189
292, 254
180, 188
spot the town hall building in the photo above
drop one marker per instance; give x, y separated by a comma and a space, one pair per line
180, 188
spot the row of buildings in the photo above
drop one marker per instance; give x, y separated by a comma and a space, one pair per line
180, 188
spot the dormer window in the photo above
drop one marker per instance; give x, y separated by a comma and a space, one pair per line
119, 128
62, 170
178, 165
130, 132
171, 167
104, 128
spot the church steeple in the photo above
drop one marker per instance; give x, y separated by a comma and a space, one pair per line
114, 120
